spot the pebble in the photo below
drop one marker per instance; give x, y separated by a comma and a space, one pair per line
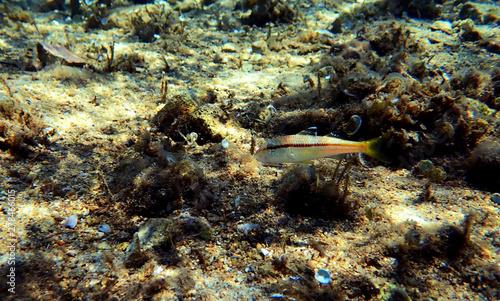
158, 270
323, 276
229, 47
92, 221
122, 246
70, 222
245, 228
104, 246
72, 253
444, 26
225, 144
104, 228
260, 47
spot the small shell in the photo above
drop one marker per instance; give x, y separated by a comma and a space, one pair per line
71, 221
265, 252
104, 228
353, 125
323, 276
496, 198
277, 296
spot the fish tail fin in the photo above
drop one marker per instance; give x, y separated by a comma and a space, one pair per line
374, 149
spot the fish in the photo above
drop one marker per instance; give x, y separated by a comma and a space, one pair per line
305, 147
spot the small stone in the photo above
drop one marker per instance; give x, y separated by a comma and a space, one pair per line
229, 47
225, 144
158, 270
94, 282
260, 47
123, 246
444, 26
134, 257
92, 221
72, 253
104, 246
245, 228
294, 61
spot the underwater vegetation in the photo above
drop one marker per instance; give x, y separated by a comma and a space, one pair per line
461, 258
152, 189
306, 191
21, 130
266, 11
394, 90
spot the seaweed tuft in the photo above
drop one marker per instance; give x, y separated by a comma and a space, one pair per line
266, 11
149, 188
308, 191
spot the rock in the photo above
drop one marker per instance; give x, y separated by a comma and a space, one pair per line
135, 257
260, 46
229, 47
444, 26
484, 165
104, 246
163, 231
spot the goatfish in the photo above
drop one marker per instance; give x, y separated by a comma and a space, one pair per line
304, 147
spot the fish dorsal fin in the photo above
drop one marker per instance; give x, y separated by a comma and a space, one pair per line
332, 134
312, 131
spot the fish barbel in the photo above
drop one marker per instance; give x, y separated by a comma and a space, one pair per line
303, 148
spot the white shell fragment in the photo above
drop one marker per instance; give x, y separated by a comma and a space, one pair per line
265, 252
245, 228
70, 222
323, 276
277, 296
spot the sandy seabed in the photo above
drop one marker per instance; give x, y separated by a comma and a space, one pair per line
145, 135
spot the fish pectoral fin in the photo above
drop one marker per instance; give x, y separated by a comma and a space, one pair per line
338, 157
305, 162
